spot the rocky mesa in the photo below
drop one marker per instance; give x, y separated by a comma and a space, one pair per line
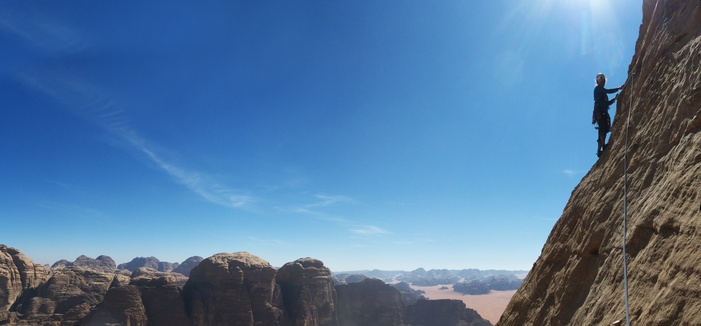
578, 278
225, 289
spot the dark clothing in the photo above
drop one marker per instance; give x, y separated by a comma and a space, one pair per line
601, 100
601, 112
601, 107
603, 119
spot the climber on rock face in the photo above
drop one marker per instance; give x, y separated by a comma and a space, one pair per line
601, 115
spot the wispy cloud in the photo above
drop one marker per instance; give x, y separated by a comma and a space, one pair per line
74, 210
88, 102
200, 183
368, 230
411, 241
41, 31
314, 208
326, 200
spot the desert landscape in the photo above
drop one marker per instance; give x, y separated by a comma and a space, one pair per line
489, 306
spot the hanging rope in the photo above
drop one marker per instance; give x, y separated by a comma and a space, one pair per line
625, 201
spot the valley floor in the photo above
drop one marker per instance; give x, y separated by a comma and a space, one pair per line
489, 306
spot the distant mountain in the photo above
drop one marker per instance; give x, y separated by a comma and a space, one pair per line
134, 264
225, 289
101, 263
106, 264
186, 266
504, 282
422, 277
409, 296
467, 281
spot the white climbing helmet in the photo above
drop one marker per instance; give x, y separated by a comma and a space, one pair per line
600, 78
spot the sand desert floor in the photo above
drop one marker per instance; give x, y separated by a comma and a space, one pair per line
489, 306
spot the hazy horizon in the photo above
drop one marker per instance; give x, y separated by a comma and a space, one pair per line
117, 262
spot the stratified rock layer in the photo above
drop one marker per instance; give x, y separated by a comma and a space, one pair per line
578, 279
309, 293
17, 275
443, 313
121, 306
234, 289
225, 289
67, 297
370, 302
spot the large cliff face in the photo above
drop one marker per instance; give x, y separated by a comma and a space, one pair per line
17, 274
578, 279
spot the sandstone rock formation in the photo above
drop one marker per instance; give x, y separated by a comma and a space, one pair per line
487, 284
121, 306
165, 266
162, 299
308, 292
186, 266
151, 275
225, 289
370, 302
149, 262
578, 278
17, 275
355, 278
151, 298
67, 297
102, 263
234, 289
443, 313
408, 295
61, 264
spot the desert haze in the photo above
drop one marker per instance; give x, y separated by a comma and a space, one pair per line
489, 306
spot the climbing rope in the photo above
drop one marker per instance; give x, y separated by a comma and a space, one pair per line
625, 201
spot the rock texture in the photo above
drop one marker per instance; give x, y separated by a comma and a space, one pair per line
225, 289
408, 295
370, 302
67, 297
152, 275
308, 292
151, 298
162, 299
578, 278
18, 274
443, 313
121, 306
234, 289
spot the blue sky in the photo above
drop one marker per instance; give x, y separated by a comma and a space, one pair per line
366, 134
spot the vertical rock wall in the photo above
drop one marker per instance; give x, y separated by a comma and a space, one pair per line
308, 292
17, 275
234, 289
578, 278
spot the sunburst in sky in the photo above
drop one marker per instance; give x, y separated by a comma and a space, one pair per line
367, 134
